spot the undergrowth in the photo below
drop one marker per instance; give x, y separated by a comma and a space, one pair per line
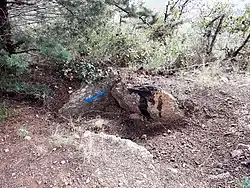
5, 113
12, 86
245, 183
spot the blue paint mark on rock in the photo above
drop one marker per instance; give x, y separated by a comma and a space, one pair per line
92, 98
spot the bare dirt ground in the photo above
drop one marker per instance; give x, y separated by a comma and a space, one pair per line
210, 150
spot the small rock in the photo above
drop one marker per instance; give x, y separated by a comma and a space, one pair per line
220, 176
246, 164
13, 174
39, 182
54, 149
144, 136
6, 150
54, 162
231, 131
219, 165
27, 138
77, 136
203, 126
236, 153
165, 134
248, 127
224, 79
63, 162
120, 184
99, 123
88, 180
134, 116
244, 146
172, 160
174, 170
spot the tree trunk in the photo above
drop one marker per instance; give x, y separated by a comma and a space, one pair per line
6, 42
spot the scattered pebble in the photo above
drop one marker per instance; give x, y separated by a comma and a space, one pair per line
224, 79
165, 134
236, 153
77, 136
172, 160
246, 164
203, 126
144, 136
88, 180
231, 131
174, 170
120, 184
219, 165
248, 127
6, 150
27, 138
220, 176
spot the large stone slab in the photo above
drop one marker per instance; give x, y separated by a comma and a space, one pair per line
93, 97
117, 162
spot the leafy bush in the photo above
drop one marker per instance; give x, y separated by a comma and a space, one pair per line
85, 70
56, 52
245, 183
12, 86
13, 64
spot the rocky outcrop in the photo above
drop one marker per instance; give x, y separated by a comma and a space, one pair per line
134, 94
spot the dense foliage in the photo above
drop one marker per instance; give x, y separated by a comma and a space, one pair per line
80, 39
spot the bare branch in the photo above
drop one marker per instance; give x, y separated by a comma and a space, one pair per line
236, 52
25, 51
129, 13
174, 5
211, 22
183, 7
166, 12
219, 26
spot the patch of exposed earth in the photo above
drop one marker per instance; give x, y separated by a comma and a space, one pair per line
210, 150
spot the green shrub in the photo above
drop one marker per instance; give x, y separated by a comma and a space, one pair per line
5, 113
13, 86
245, 183
126, 49
56, 52
13, 64
85, 70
